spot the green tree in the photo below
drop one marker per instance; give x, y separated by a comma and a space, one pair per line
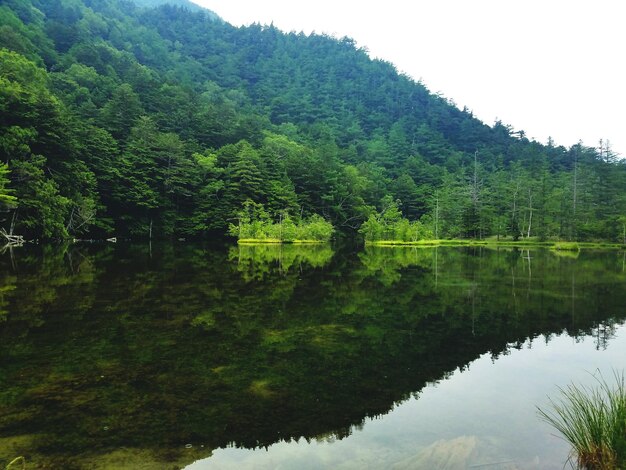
42, 209
152, 170
119, 114
7, 199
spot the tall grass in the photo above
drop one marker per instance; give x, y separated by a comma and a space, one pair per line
593, 421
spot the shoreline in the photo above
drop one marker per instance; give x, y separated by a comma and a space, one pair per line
276, 241
554, 245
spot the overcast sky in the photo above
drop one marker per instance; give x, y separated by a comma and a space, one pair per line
550, 67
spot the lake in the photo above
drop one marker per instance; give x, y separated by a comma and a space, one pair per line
216, 356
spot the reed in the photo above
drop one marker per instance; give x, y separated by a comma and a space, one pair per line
593, 421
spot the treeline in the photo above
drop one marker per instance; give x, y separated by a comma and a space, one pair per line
518, 202
127, 121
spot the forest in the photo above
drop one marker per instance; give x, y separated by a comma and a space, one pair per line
154, 120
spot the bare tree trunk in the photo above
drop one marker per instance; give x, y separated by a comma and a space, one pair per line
437, 215
530, 272
11, 239
514, 211
476, 195
530, 216
575, 194
13, 219
71, 221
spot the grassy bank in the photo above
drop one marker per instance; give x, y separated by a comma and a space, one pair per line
277, 241
555, 245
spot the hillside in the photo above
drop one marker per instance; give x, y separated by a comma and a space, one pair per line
131, 121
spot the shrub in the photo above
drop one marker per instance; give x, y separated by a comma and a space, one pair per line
254, 224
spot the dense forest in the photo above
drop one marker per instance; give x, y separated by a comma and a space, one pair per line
124, 119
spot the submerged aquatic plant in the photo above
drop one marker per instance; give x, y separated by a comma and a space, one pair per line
13, 463
593, 421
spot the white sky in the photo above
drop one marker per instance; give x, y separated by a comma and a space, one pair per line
550, 67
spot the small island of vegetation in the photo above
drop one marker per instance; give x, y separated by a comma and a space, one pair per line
254, 225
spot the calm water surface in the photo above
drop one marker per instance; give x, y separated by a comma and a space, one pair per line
166, 356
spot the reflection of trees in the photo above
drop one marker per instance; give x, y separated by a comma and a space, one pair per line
40, 280
7, 286
603, 333
541, 282
384, 263
176, 346
257, 261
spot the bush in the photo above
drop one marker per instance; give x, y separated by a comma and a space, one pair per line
255, 224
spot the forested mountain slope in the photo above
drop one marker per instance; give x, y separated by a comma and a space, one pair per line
125, 120
188, 4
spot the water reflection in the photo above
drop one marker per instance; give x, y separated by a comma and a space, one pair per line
479, 418
256, 262
120, 355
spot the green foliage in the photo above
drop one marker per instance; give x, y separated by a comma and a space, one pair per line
6, 194
37, 140
181, 3
120, 113
41, 206
255, 224
389, 225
